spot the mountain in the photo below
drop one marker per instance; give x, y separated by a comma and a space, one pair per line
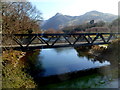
59, 20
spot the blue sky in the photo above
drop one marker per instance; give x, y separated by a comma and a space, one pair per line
49, 8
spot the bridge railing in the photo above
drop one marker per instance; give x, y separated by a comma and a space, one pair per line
52, 40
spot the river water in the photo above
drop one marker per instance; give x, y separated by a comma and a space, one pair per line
60, 61
64, 60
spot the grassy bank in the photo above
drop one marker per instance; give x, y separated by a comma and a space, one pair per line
14, 75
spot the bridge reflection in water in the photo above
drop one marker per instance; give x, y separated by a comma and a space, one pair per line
41, 41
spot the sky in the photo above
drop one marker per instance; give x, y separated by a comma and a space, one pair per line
49, 8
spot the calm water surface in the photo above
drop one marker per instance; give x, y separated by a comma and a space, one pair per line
63, 60
49, 62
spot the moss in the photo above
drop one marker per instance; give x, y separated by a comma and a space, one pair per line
13, 75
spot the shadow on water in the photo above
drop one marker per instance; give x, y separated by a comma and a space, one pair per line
33, 66
88, 78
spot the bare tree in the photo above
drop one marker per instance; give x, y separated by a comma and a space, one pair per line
20, 17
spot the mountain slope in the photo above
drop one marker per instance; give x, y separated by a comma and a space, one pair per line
59, 21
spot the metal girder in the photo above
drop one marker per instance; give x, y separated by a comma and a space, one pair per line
54, 40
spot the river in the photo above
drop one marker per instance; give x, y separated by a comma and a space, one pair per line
61, 61
64, 60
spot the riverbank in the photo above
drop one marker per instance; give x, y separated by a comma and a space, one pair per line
14, 75
112, 53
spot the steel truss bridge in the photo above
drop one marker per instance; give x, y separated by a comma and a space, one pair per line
41, 41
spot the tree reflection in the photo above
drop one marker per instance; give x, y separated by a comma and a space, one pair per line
96, 56
84, 52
